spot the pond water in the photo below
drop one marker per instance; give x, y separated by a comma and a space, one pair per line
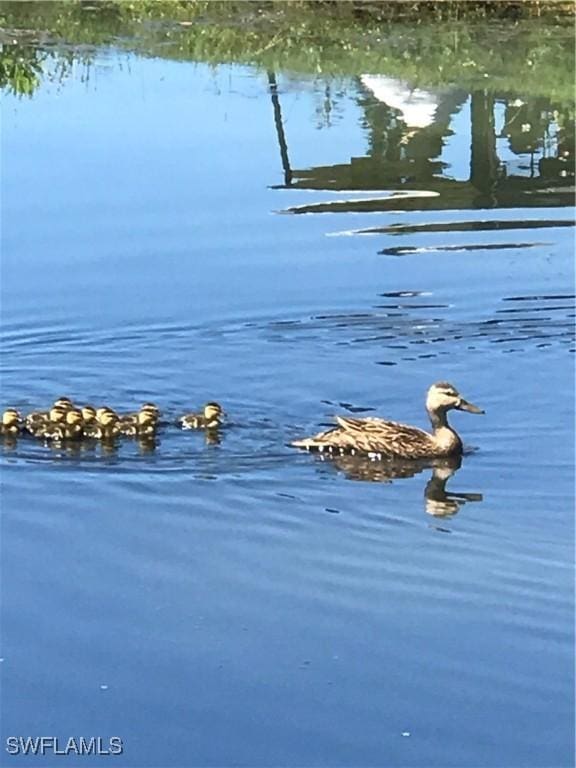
294, 249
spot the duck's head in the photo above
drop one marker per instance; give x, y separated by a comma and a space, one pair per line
88, 414
63, 402
10, 417
74, 416
108, 418
443, 396
148, 414
57, 413
213, 412
147, 418
101, 413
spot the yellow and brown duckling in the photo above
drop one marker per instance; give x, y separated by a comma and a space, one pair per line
62, 404
147, 412
106, 426
147, 423
103, 412
210, 418
88, 414
71, 428
34, 419
11, 422
74, 425
37, 422
379, 438
95, 418
144, 422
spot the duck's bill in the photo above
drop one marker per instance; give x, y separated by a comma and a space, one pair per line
470, 407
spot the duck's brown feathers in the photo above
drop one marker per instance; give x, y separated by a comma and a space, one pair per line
378, 436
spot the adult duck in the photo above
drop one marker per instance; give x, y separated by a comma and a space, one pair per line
389, 439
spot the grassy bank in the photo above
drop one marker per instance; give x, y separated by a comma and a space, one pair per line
524, 46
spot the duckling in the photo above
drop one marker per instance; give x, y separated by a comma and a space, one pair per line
377, 437
88, 414
210, 418
37, 422
106, 428
104, 411
130, 422
11, 422
34, 419
74, 423
69, 429
147, 423
144, 421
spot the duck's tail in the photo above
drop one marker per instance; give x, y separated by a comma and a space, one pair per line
331, 440
307, 442
324, 446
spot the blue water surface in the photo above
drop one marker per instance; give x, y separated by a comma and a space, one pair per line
241, 603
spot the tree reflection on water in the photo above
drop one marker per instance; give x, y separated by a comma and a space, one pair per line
521, 151
516, 81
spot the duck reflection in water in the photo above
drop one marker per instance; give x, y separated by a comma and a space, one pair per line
105, 448
438, 501
146, 444
212, 437
71, 448
8, 443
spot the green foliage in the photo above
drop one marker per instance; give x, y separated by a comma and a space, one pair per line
20, 70
428, 43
